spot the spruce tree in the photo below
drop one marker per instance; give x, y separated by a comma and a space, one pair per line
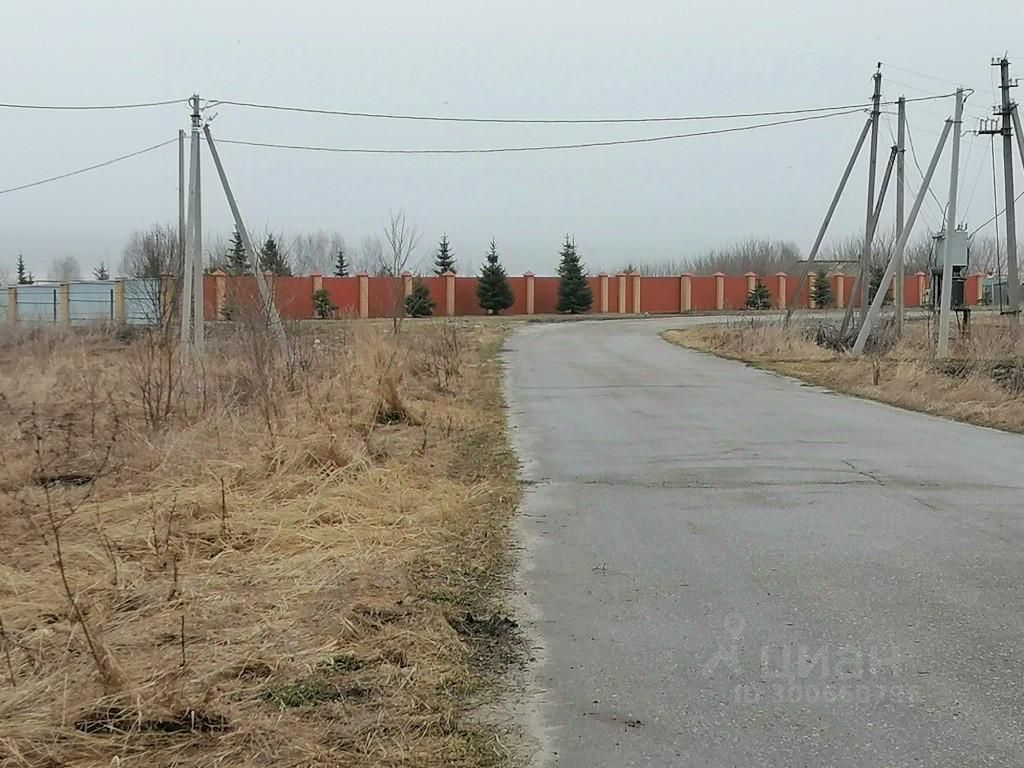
24, 277
418, 303
493, 292
272, 260
340, 264
759, 297
874, 283
574, 295
101, 272
236, 259
444, 260
822, 293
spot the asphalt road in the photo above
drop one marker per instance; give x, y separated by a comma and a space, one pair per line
724, 567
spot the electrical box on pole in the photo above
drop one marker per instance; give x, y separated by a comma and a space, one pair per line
955, 252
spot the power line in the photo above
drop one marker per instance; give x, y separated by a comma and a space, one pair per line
85, 107
89, 168
922, 74
541, 148
841, 109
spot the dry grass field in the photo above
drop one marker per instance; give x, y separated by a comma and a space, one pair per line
265, 563
983, 383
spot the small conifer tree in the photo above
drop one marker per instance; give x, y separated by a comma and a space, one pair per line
759, 297
340, 264
493, 292
444, 260
272, 260
323, 308
236, 260
101, 272
418, 303
822, 293
574, 295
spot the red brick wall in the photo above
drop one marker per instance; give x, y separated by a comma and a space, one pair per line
294, 295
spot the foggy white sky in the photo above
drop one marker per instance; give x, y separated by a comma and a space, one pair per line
462, 57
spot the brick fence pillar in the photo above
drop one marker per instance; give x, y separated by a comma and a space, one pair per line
620, 283
780, 277
636, 293
812, 278
364, 295
406, 284
922, 286
12, 304
719, 290
120, 311
529, 292
64, 304
751, 281
220, 293
602, 280
685, 292
449, 293
840, 290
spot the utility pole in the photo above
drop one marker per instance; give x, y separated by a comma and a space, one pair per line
186, 264
181, 196
198, 329
875, 217
947, 261
887, 276
901, 133
865, 259
269, 308
1012, 280
828, 218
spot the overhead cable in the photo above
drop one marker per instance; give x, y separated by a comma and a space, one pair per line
539, 148
554, 121
88, 168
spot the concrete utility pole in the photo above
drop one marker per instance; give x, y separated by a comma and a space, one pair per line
273, 318
181, 196
876, 216
865, 259
947, 261
198, 327
828, 218
1012, 279
876, 303
185, 334
901, 135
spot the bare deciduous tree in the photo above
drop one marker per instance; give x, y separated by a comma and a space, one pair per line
152, 252
402, 239
65, 269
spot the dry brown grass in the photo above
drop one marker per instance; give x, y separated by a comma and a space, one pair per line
272, 574
908, 375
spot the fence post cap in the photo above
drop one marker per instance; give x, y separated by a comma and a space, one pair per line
602, 274
219, 273
718, 274
449, 273
407, 274
750, 274
781, 274
686, 274
528, 274
362, 274
919, 274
